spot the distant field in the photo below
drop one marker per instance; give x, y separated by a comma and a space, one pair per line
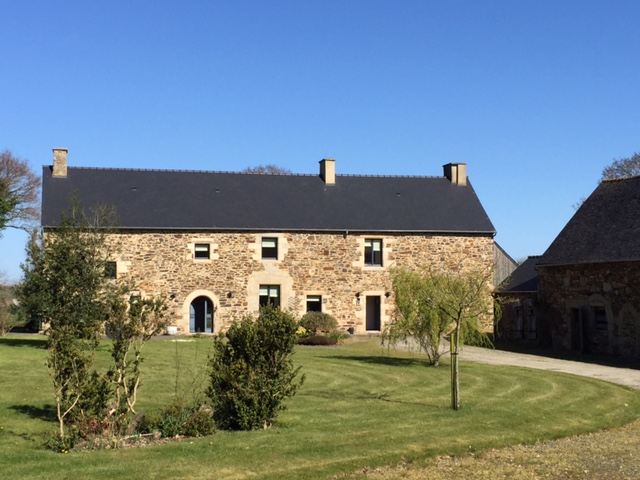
361, 406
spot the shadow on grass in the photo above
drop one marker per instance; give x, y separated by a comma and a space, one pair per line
382, 396
380, 360
24, 341
46, 413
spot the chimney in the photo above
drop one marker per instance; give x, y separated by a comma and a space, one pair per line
60, 162
456, 173
328, 170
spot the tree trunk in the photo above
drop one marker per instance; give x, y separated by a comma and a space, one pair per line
455, 385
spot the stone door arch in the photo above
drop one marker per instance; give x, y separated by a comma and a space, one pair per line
199, 312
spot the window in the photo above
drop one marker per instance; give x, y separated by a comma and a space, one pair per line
532, 320
111, 270
270, 295
269, 248
517, 332
600, 318
201, 251
373, 252
314, 303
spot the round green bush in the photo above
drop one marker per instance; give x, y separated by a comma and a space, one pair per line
315, 322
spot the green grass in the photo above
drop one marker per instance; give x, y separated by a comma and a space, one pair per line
361, 405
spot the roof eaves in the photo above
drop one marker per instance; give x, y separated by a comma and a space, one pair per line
586, 262
291, 229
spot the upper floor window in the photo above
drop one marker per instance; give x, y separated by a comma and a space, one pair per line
269, 248
270, 295
202, 251
314, 303
373, 251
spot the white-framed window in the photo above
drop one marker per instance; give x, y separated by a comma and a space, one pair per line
373, 252
270, 295
269, 248
202, 251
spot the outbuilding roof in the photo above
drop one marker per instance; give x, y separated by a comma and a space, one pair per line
172, 199
524, 279
606, 227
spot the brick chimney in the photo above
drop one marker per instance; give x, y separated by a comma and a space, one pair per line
456, 173
60, 162
328, 170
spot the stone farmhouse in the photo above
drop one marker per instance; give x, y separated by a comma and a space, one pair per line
583, 293
221, 244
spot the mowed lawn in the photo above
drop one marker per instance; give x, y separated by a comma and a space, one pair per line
362, 405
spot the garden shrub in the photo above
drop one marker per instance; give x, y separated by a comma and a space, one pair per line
252, 370
318, 340
180, 419
61, 443
318, 322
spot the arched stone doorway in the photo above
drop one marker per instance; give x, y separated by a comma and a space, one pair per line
201, 315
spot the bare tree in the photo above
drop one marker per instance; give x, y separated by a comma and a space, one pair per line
269, 169
622, 168
19, 193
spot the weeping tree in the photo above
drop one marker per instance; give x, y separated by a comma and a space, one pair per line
431, 304
464, 300
414, 320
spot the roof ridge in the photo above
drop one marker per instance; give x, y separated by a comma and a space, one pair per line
387, 176
172, 170
619, 179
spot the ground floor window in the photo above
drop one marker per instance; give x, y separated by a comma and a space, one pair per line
314, 303
111, 270
270, 295
600, 317
519, 321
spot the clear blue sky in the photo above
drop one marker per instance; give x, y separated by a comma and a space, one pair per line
535, 96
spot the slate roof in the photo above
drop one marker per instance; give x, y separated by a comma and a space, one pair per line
170, 199
524, 279
606, 228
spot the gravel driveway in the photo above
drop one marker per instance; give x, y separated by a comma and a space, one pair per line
622, 376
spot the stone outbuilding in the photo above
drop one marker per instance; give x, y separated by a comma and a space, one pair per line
221, 244
589, 277
518, 299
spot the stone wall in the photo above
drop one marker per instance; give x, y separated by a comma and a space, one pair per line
593, 308
326, 264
